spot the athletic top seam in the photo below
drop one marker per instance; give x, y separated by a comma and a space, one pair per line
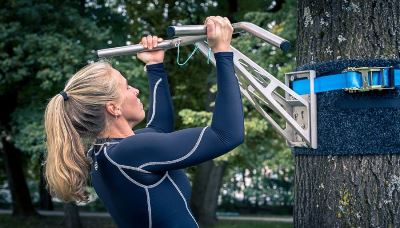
178, 159
154, 102
183, 197
122, 166
149, 207
130, 178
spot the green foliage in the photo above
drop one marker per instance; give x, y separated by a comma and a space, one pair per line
192, 118
44, 54
29, 137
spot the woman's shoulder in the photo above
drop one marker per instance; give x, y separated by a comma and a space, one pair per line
132, 149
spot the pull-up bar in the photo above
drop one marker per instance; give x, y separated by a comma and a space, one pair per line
191, 34
193, 30
136, 48
264, 91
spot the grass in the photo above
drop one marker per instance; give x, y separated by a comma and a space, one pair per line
7, 221
252, 224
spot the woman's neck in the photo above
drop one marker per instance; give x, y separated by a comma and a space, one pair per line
119, 128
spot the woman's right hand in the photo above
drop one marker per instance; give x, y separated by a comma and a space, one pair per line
151, 57
219, 33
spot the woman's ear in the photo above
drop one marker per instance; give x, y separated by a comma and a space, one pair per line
112, 109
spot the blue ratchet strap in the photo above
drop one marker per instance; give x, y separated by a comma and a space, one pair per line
383, 78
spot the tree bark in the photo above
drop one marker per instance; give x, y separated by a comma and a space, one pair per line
206, 186
342, 191
21, 200
354, 189
71, 218
45, 198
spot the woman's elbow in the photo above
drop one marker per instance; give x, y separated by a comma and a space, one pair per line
236, 140
240, 134
240, 138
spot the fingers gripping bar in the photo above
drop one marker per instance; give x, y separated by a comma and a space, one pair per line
136, 48
192, 30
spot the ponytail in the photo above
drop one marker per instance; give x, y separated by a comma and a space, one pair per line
66, 164
71, 122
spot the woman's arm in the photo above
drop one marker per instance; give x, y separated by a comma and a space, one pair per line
158, 152
160, 116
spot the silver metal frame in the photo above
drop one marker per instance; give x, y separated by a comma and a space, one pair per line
309, 121
298, 112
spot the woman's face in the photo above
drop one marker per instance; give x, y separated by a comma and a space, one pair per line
130, 106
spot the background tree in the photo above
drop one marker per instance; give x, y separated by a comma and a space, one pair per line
359, 188
42, 45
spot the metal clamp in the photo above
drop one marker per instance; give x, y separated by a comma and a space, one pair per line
367, 78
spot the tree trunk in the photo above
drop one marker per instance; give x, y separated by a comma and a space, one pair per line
45, 198
21, 200
71, 218
207, 179
361, 186
206, 186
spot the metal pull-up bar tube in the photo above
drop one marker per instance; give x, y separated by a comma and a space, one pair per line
136, 48
193, 30
191, 34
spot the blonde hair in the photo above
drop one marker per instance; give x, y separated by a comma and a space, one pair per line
70, 124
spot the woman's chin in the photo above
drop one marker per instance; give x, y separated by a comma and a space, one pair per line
144, 116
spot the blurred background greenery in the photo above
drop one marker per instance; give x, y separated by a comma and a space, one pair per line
43, 43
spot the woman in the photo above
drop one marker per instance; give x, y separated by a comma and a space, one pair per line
138, 174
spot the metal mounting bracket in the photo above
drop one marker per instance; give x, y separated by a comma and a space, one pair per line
262, 89
305, 116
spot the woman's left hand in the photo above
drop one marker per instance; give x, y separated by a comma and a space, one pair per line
151, 57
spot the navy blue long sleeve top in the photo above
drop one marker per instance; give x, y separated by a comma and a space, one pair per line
140, 178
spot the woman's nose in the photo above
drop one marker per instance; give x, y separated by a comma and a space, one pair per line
136, 91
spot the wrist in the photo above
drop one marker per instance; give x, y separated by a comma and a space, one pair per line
221, 49
152, 67
154, 62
